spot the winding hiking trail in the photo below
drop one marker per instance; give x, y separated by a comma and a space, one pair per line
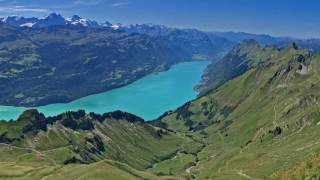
275, 114
16, 147
240, 173
29, 149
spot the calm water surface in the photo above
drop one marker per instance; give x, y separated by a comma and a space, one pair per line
148, 97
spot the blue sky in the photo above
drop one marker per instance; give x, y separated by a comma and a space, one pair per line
297, 18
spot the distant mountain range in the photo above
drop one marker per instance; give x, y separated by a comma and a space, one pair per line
223, 39
175, 35
53, 19
264, 39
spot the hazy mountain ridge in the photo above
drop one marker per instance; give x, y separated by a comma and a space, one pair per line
240, 59
202, 46
222, 42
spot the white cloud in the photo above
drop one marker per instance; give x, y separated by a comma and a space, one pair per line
10, 9
120, 4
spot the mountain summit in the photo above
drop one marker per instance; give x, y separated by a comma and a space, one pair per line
53, 19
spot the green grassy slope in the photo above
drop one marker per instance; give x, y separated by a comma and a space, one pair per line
105, 169
36, 146
258, 124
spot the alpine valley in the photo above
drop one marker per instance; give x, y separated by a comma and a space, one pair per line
257, 115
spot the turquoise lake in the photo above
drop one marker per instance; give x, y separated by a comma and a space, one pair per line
148, 97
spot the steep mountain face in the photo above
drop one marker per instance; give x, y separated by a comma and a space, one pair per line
200, 44
261, 124
74, 138
240, 59
51, 20
221, 45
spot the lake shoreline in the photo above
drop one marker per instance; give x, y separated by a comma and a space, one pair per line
128, 98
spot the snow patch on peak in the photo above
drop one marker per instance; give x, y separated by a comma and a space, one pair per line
29, 24
116, 26
106, 24
56, 19
77, 20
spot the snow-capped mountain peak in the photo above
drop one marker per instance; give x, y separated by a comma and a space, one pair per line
53, 19
77, 20
18, 20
